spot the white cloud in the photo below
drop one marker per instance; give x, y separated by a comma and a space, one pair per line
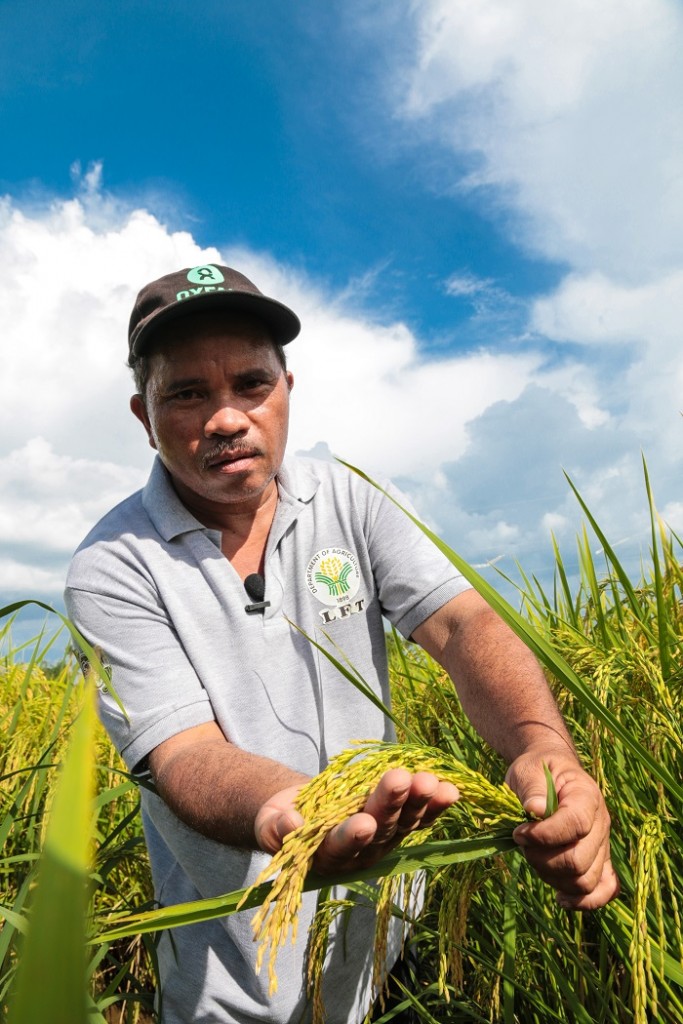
563, 123
672, 516
70, 448
555, 523
365, 388
70, 275
570, 112
593, 309
20, 579
477, 439
50, 500
638, 330
563, 116
566, 117
467, 284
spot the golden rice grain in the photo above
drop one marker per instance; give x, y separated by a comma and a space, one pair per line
335, 794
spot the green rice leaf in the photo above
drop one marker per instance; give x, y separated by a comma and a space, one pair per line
552, 801
510, 942
51, 981
662, 617
80, 641
431, 855
544, 651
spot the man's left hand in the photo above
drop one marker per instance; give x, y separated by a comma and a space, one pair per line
570, 849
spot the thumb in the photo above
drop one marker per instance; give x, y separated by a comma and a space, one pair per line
528, 780
276, 819
535, 803
272, 828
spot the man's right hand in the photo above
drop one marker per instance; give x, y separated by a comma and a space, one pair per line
400, 804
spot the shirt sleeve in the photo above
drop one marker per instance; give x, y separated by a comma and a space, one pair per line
414, 578
149, 669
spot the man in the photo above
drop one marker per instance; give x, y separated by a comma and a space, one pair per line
231, 708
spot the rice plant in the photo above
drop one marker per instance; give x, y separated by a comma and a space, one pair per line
490, 943
66, 852
341, 790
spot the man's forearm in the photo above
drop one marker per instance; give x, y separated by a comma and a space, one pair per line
498, 680
505, 695
245, 800
218, 788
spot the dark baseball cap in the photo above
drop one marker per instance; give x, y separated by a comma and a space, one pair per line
197, 289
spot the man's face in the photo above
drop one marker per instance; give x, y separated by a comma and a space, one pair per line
216, 409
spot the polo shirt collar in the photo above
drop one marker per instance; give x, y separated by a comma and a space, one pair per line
169, 516
296, 483
297, 480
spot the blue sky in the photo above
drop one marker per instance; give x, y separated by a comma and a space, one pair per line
254, 124
475, 208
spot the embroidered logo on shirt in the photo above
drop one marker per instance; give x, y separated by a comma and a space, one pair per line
333, 577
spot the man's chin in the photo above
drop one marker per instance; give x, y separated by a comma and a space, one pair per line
235, 489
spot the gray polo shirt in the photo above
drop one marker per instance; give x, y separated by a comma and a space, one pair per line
150, 586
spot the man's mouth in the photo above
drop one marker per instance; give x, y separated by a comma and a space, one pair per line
228, 456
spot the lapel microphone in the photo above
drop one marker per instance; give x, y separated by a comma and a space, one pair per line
255, 586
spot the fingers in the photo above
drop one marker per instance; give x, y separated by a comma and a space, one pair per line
606, 889
570, 849
276, 818
403, 802
400, 803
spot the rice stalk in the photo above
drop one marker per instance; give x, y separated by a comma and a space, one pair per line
328, 912
38, 707
452, 931
336, 793
646, 884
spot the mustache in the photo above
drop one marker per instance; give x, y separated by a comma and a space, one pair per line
225, 449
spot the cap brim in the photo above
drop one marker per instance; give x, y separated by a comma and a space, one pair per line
281, 321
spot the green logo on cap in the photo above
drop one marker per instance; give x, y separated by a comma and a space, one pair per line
207, 274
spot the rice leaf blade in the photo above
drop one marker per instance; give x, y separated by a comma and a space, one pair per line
544, 651
54, 948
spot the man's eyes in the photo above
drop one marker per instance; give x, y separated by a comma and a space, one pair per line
186, 394
252, 383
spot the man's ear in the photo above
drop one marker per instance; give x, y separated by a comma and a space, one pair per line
139, 410
289, 376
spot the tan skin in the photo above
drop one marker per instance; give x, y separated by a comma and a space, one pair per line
216, 409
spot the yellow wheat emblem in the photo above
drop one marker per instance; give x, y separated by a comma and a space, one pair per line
334, 574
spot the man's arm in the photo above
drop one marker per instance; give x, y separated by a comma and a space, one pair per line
246, 800
216, 787
504, 694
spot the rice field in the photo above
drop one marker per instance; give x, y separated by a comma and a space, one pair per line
490, 944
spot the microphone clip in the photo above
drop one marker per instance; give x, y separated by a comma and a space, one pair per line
255, 586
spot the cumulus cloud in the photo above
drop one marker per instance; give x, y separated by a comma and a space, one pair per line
637, 326
70, 449
367, 390
70, 275
560, 116
49, 499
568, 113
562, 120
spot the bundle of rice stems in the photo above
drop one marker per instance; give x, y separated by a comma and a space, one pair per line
492, 944
338, 792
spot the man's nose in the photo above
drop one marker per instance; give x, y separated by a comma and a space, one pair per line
226, 419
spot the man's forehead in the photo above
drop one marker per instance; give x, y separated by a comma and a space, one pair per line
198, 355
